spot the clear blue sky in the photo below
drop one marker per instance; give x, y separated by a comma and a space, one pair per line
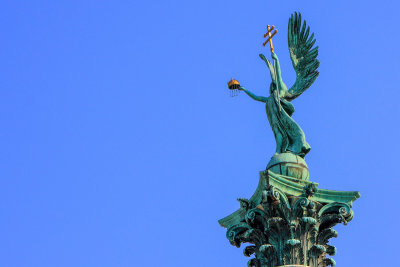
121, 147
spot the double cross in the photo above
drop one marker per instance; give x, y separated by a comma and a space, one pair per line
270, 34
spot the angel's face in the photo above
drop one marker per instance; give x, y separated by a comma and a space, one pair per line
272, 87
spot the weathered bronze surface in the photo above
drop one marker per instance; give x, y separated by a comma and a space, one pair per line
288, 219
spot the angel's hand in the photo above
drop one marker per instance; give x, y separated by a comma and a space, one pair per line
241, 88
274, 56
262, 57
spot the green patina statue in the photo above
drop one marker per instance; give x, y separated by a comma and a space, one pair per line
288, 134
288, 219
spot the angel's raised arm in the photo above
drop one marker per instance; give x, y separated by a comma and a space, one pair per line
277, 67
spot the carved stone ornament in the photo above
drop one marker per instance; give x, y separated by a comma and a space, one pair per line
288, 222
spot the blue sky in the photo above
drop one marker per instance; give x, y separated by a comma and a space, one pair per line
121, 147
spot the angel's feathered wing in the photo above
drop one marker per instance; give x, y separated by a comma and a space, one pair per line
303, 56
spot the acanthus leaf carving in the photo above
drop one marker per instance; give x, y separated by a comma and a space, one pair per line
287, 230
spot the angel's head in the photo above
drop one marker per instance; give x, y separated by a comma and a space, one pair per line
272, 87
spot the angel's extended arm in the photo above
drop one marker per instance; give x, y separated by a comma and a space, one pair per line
255, 97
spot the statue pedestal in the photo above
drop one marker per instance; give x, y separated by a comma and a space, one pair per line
289, 222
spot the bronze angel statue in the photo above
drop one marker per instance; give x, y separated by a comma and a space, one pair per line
288, 134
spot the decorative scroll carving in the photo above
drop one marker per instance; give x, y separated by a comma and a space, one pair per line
287, 229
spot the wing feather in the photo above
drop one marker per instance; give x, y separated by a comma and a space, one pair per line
302, 54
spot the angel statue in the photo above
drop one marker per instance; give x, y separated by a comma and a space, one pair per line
288, 135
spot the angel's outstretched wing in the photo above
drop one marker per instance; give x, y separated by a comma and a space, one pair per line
303, 56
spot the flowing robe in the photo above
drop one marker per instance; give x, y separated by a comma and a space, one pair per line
288, 135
